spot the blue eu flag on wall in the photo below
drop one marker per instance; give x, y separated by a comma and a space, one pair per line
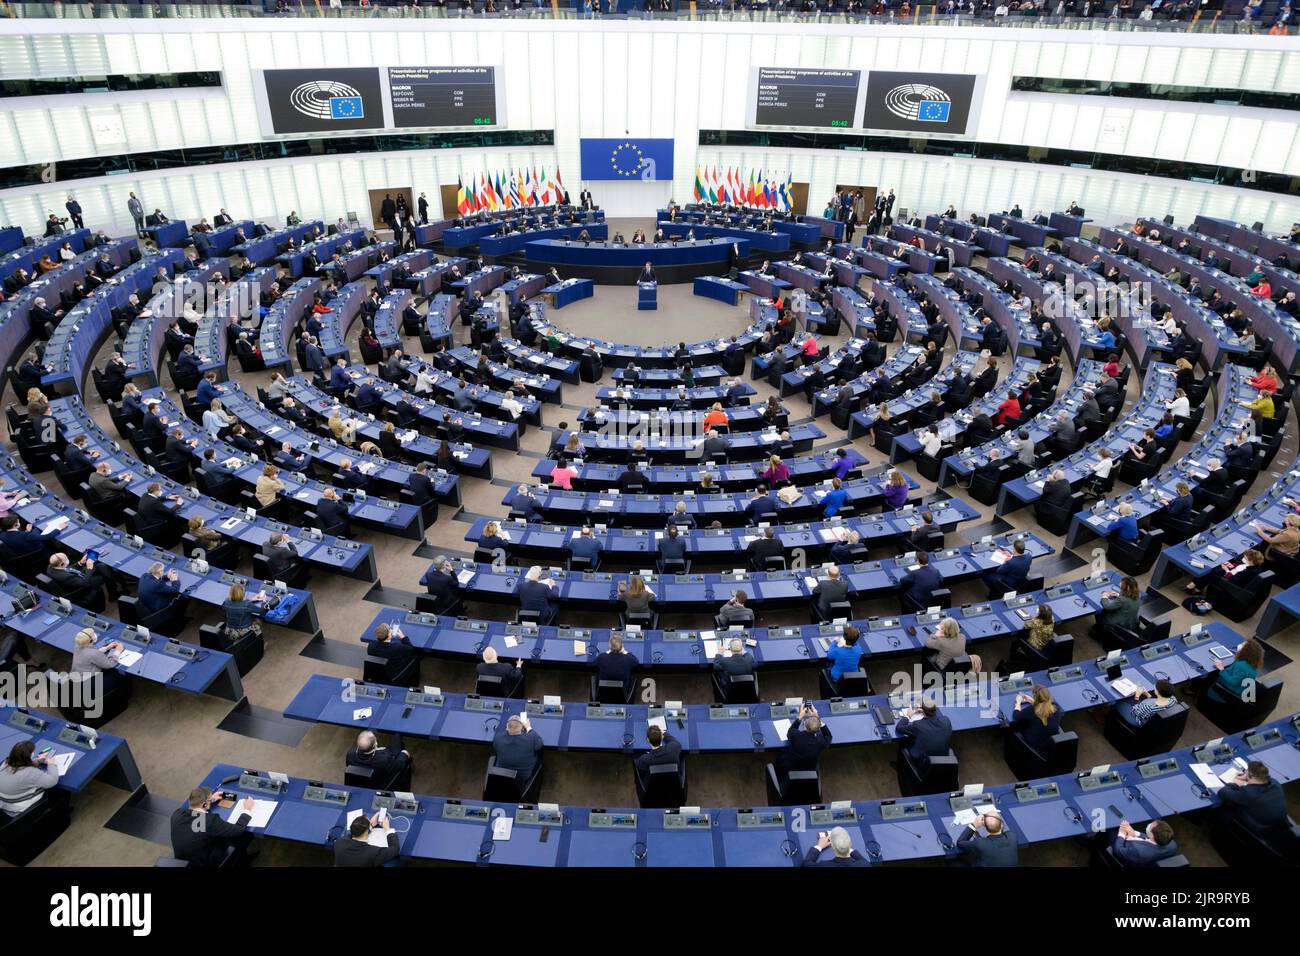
933, 111
626, 159
346, 107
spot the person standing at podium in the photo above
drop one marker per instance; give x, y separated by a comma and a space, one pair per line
647, 274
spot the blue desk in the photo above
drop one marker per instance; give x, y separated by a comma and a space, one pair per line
549, 390
323, 249
222, 241
26, 257
496, 246
11, 238
283, 318
263, 249
761, 240
621, 264
569, 291
173, 234
1030, 233
143, 346
717, 287
408, 263
96, 755
903, 406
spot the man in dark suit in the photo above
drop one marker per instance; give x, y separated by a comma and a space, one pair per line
840, 844
734, 662
664, 749
1011, 574
1144, 847
153, 508
385, 763
518, 747
440, 581
74, 210
333, 513
807, 738
357, 850
81, 583
924, 733
996, 846
421, 485
281, 556
830, 590
201, 837
493, 666
617, 664
1056, 490
394, 648
761, 507
647, 274
918, 585
1254, 800
766, 546
585, 546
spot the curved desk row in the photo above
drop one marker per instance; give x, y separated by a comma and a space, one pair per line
279, 324
742, 728
483, 399
143, 346
680, 593
960, 467
621, 264
221, 324
700, 397
502, 377
263, 249
77, 533
912, 400
161, 660
496, 246
990, 241
26, 257
759, 240
77, 338
668, 479
719, 545
407, 264
660, 448
882, 831
963, 252
322, 249
95, 754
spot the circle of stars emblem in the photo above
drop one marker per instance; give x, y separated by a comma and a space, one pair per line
617, 154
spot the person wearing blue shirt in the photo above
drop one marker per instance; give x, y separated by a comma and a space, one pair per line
339, 376
539, 594
1180, 506
1125, 527
842, 465
157, 590
834, 499
207, 390
586, 546
188, 361
844, 655
1166, 426
1144, 847
919, 585
672, 547
1011, 574
525, 505
1105, 339
760, 506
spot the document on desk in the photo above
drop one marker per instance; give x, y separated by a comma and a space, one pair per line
782, 727
362, 713
1206, 775
129, 658
55, 524
229, 523
511, 640
711, 649
259, 816
465, 576
502, 827
660, 722
810, 582
579, 648
378, 835
964, 818
1124, 687
62, 762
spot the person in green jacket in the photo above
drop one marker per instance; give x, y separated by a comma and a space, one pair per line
1237, 680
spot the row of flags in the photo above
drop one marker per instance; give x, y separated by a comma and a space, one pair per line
740, 188
516, 189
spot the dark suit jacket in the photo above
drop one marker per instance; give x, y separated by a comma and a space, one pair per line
669, 751
617, 667
154, 510
519, 752
803, 748
508, 673
985, 850
925, 738
727, 666
815, 858
920, 585
156, 593
1142, 852
204, 846
829, 592
350, 852
1037, 734
1261, 808
383, 761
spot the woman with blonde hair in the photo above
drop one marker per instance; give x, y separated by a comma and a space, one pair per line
1037, 718
948, 642
715, 417
895, 490
215, 419
1284, 540
636, 595
241, 613
777, 473
269, 486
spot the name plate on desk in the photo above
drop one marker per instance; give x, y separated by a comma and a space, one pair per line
607, 711
882, 623
1192, 640
1020, 600
760, 819
976, 610
684, 820
793, 632
180, 649
537, 708
676, 712
488, 704
319, 793
892, 810
1089, 781
1061, 590
681, 635
27, 721
1062, 674
455, 810
394, 804
419, 698
535, 817
581, 633
1042, 791
728, 712
823, 815
605, 820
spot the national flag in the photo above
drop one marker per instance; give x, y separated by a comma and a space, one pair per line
699, 187
462, 199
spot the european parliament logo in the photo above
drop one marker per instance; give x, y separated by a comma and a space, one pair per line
919, 102
327, 100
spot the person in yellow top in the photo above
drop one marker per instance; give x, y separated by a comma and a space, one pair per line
715, 417
268, 486
1262, 406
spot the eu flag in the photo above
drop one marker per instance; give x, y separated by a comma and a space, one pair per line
626, 159
346, 107
933, 111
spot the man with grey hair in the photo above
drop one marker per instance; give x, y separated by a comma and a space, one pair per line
840, 844
492, 666
1089, 411
518, 747
385, 763
440, 581
1063, 429
728, 666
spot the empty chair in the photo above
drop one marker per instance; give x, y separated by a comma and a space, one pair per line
507, 786
1028, 763
938, 775
796, 788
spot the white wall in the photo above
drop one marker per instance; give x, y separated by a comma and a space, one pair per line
667, 80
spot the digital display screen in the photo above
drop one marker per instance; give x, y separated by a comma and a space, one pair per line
794, 97
443, 95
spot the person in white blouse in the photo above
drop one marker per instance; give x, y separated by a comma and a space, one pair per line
424, 381
931, 442
215, 419
1180, 407
511, 405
